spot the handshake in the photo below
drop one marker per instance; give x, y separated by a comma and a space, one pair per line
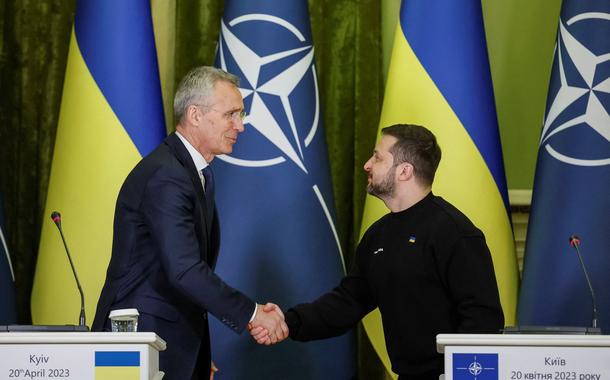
268, 326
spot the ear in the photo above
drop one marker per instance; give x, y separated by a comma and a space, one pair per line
406, 171
193, 114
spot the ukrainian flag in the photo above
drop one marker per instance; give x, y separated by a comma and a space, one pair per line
111, 115
117, 365
439, 77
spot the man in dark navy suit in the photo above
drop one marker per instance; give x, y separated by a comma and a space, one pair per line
166, 234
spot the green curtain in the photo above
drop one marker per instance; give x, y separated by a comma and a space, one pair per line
34, 39
347, 41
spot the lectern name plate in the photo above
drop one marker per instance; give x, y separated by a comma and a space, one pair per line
71, 362
527, 363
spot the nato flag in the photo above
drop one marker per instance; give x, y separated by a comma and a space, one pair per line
572, 184
8, 314
274, 194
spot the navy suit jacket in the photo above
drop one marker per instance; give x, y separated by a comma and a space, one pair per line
164, 249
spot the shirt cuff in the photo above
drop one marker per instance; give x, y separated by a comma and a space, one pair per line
254, 313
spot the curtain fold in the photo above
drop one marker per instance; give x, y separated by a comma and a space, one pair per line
197, 28
348, 42
33, 53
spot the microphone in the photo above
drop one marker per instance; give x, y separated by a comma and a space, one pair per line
575, 242
565, 330
56, 217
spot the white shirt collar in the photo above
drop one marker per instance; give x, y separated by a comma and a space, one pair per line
198, 159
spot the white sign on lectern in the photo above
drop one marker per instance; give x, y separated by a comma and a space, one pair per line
80, 355
525, 357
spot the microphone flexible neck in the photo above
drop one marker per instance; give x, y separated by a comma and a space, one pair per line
576, 244
82, 318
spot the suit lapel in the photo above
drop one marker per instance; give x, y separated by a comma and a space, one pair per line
205, 224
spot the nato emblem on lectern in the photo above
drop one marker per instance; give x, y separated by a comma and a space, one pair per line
475, 366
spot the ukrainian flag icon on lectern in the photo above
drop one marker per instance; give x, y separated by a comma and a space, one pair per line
117, 365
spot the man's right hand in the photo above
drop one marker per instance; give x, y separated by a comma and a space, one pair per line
268, 326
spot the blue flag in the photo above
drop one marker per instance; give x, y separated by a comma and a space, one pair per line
279, 241
8, 313
572, 184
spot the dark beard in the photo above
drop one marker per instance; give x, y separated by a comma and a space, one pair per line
384, 189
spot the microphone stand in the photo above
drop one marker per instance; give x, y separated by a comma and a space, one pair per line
575, 242
81, 318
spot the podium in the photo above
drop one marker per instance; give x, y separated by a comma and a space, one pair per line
80, 355
524, 357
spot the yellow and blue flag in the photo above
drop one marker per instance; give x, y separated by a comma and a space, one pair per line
111, 115
8, 311
117, 365
572, 184
276, 206
439, 77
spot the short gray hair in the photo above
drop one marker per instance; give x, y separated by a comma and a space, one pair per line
197, 87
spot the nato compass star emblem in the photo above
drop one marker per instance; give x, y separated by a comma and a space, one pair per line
280, 91
475, 366
269, 97
582, 98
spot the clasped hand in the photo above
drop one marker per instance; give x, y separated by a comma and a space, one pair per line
268, 326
